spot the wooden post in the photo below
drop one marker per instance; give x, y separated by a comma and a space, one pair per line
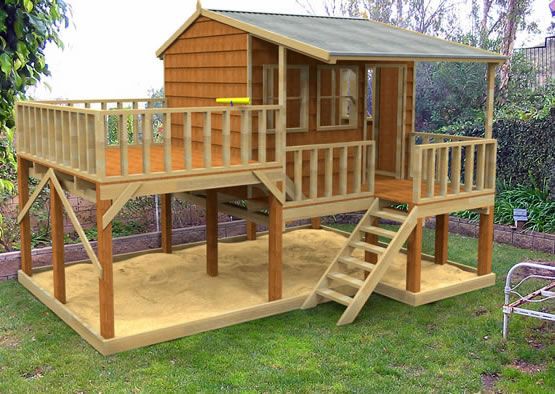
106, 282
166, 222
315, 223
485, 242
490, 100
212, 232
25, 225
251, 230
275, 264
57, 235
441, 238
414, 258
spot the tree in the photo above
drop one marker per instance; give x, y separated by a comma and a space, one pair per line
26, 27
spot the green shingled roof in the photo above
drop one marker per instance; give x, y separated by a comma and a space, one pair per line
354, 37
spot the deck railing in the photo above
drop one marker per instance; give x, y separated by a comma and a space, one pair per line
465, 165
134, 103
331, 171
123, 142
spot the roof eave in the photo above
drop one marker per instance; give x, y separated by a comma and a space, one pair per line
338, 56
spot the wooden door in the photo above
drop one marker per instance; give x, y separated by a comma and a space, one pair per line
388, 120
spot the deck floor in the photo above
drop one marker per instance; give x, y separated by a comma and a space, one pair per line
135, 158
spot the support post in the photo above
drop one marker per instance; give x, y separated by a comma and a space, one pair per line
166, 222
212, 232
251, 230
441, 238
275, 264
414, 258
485, 242
25, 224
488, 127
106, 282
57, 235
315, 223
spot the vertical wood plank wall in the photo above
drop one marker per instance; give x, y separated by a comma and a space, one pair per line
210, 59
207, 61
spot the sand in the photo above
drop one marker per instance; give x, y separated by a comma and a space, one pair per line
159, 290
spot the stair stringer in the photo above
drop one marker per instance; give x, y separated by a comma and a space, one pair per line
312, 299
380, 268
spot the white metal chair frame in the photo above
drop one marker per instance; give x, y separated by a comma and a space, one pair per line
541, 295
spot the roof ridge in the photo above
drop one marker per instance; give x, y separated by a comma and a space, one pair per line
288, 14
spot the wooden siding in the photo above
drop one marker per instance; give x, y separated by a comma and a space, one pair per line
207, 61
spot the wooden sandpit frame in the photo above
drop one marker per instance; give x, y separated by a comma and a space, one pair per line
232, 317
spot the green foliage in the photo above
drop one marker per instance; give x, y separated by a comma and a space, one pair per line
26, 27
541, 208
525, 152
448, 94
119, 229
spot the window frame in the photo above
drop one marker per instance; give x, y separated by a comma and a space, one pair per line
268, 96
337, 68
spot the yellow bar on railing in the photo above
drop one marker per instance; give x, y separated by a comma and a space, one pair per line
234, 100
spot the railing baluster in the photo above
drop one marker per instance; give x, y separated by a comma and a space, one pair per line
343, 170
123, 143
298, 174
244, 137
492, 162
357, 169
469, 168
430, 172
417, 172
456, 170
74, 140
82, 141
99, 147
480, 166
67, 137
207, 141
262, 125
168, 142
38, 132
371, 164
91, 143
328, 184
443, 170
226, 138
187, 140
58, 135
135, 135
314, 173
147, 140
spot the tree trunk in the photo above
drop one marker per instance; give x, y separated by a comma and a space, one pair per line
508, 42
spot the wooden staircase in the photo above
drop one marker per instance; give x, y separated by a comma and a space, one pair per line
339, 273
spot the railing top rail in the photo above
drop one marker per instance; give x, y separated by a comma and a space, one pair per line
455, 137
130, 111
104, 100
294, 148
439, 145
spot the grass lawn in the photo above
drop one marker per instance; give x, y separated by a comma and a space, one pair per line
450, 346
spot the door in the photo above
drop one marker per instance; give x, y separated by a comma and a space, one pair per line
388, 118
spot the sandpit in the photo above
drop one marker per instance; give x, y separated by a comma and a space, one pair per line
160, 290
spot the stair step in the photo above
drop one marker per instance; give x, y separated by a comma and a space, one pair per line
335, 296
378, 231
368, 247
346, 279
353, 261
390, 214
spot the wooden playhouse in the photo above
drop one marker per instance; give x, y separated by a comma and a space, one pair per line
330, 130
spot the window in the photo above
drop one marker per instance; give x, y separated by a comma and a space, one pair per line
337, 97
297, 95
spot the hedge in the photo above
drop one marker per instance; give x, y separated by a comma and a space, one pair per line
525, 152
